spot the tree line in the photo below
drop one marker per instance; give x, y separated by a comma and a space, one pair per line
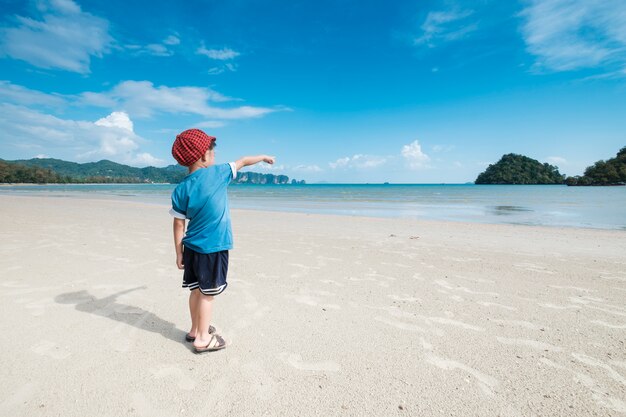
520, 169
610, 172
56, 171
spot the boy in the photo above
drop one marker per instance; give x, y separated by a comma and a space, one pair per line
201, 198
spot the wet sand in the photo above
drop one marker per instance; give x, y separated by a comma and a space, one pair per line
325, 315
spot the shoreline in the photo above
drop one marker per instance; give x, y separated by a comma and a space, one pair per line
145, 200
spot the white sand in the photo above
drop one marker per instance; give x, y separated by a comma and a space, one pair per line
326, 315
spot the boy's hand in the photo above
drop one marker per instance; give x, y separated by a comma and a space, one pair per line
251, 160
179, 261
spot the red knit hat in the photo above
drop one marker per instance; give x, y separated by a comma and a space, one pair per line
190, 146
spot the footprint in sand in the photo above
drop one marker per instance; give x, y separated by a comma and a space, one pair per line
613, 278
598, 393
533, 344
616, 313
144, 407
50, 349
262, 384
534, 268
312, 301
177, 374
485, 382
21, 396
249, 320
557, 307
395, 312
476, 279
330, 281
401, 325
519, 323
569, 287
418, 277
354, 279
399, 265
38, 307
451, 258
295, 360
377, 275
445, 284
404, 297
24, 291
588, 360
489, 304
609, 325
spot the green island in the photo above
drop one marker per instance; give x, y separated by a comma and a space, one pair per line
609, 172
520, 169
56, 171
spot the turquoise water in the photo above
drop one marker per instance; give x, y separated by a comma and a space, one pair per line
547, 205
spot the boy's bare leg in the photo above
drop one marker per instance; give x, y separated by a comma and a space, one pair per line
204, 308
194, 296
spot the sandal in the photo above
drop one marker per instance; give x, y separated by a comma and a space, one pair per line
217, 342
191, 339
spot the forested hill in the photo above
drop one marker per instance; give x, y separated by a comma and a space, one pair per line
49, 170
610, 172
105, 171
520, 169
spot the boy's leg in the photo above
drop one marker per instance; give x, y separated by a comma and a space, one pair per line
194, 297
204, 308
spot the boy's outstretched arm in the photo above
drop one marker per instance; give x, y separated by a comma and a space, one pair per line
251, 160
179, 233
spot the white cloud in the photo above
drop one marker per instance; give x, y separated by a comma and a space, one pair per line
17, 94
41, 156
164, 48
117, 119
211, 124
111, 137
171, 40
442, 148
573, 34
556, 160
358, 161
445, 26
224, 54
267, 167
216, 70
413, 154
307, 168
145, 159
64, 37
143, 99
157, 49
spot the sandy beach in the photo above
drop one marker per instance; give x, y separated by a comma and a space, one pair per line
325, 315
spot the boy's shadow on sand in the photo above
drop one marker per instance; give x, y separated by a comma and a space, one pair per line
109, 308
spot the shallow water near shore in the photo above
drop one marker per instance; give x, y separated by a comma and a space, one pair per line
538, 205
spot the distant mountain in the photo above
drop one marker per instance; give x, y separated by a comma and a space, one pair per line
49, 170
520, 169
106, 171
15, 173
611, 172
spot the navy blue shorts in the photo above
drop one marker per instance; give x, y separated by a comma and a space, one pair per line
205, 271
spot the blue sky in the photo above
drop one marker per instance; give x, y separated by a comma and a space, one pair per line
339, 91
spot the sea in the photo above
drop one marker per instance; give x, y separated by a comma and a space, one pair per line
536, 205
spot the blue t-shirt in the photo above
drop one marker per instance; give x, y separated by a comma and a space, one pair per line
201, 197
